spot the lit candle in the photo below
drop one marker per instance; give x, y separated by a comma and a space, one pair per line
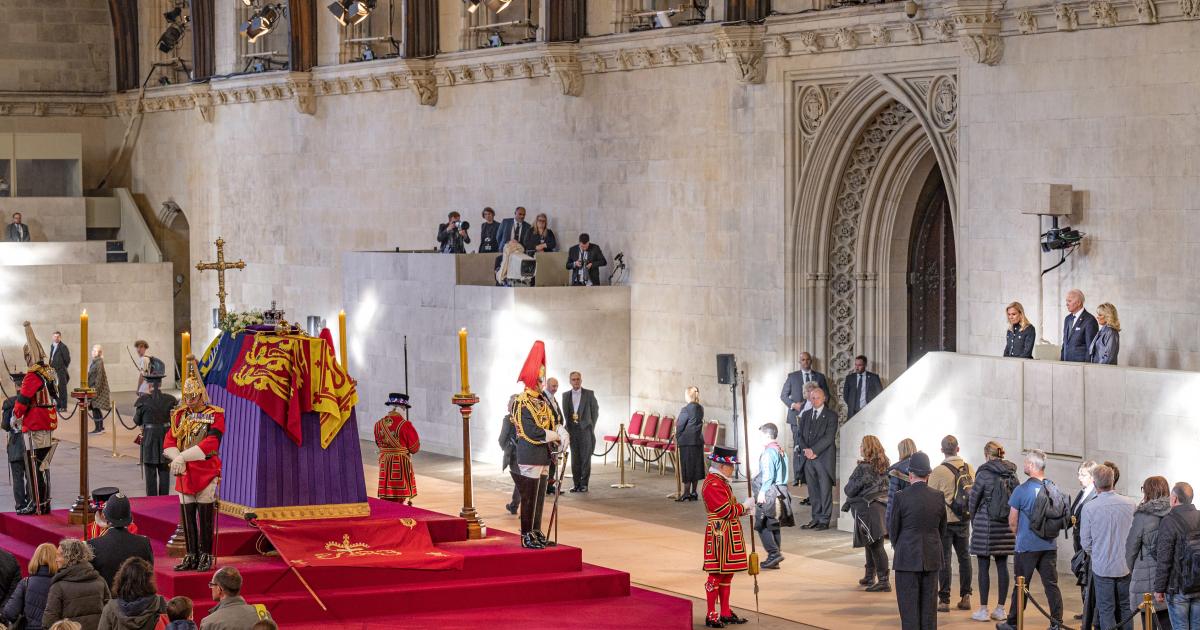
342, 339
83, 342
185, 348
462, 360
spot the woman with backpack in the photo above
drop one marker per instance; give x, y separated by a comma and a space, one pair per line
866, 498
991, 538
1140, 547
29, 600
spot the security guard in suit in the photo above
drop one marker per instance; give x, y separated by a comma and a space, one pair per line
915, 527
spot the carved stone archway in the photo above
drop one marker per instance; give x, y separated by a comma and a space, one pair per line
861, 144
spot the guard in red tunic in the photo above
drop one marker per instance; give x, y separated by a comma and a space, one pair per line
397, 440
724, 544
35, 414
191, 445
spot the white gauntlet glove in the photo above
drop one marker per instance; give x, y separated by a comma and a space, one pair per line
564, 437
178, 466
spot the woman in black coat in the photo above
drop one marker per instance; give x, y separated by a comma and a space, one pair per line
1021, 334
990, 537
30, 597
689, 441
541, 238
866, 497
898, 474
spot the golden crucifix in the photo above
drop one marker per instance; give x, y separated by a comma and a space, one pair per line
220, 266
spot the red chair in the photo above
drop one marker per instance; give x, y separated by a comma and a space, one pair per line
666, 431
710, 436
648, 435
635, 427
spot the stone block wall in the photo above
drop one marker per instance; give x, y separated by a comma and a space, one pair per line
50, 219
63, 46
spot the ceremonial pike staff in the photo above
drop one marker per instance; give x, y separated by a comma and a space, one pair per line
753, 568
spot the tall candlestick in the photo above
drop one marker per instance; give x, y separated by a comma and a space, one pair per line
83, 353
462, 360
342, 339
185, 347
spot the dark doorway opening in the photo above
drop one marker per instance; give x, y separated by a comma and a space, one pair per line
932, 311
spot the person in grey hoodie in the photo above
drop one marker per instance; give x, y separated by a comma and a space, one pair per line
1140, 547
136, 604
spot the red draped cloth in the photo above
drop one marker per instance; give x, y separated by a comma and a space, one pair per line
400, 543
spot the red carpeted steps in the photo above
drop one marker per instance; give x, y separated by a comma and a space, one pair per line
496, 572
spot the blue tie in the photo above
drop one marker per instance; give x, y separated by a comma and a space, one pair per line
1067, 330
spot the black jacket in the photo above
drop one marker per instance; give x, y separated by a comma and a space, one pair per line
450, 241
588, 410
61, 359
16, 443
533, 239
15, 233
152, 412
917, 523
1077, 339
506, 231
1077, 517
1173, 532
594, 256
1019, 343
866, 498
897, 481
140, 614
819, 434
116, 546
508, 444
29, 599
689, 426
528, 453
793, 392
489, 237
10, 574
850, 391
990, 537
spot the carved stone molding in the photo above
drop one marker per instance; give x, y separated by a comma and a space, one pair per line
943, 103
742, 47
1066, 18
203, 98
562, 62
914, 33
977, 23
50, 105
811, 40
1027, 22
847, 39
422, 81
1103, 12
943, 29
303, 93
880, 35
1190, 8
1146, 11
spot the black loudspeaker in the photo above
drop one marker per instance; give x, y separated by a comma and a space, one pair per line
726, 369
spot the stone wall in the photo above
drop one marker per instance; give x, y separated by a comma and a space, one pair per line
64, 46
53, 219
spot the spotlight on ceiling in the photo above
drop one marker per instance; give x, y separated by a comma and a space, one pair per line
262, 22
351, 12
472, 5
176, 26
497, 5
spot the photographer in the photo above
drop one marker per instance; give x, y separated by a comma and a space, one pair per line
452, 235
584, 261
489, 233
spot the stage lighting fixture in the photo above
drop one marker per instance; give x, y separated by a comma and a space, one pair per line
176, 26
497, 5
472, 5
262, 22
351, 12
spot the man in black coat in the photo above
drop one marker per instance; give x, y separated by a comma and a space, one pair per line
1079, 329
513, 229
818, 435
16, 232
16, 448
60, 362
116, 544
860, 388
508, 445
10, 573
584, 261
1179, 525
580, 411
152, 412
793, 398
916, 525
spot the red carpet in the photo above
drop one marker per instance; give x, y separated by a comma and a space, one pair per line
496, 573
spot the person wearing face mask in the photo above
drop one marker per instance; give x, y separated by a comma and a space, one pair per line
1021, 334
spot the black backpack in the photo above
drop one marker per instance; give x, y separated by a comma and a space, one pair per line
998, 508
1051, 512
960, 504
1189, 563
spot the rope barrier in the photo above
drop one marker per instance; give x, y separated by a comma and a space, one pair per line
1029, 597
1147, 604
609, 449
70, 415
662, 452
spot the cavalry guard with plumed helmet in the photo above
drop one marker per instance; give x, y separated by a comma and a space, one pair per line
35, 414
192, 445
537, 427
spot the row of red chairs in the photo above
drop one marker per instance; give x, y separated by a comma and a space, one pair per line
650, 435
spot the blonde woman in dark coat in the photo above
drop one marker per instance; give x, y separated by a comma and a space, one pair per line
991, 539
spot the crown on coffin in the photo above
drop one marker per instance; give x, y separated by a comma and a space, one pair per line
273, 316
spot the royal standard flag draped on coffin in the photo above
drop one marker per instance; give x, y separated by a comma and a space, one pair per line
285, 376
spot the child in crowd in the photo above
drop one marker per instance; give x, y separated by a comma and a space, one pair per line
179, 613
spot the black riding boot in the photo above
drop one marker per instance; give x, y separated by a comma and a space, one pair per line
188, 514
206, 517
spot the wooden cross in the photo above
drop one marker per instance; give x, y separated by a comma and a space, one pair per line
220, 266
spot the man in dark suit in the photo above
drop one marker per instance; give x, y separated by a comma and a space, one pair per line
794, 399
818, 430
60, 362
860, 388
580, 410
16, 447
116, 544
585, 260
916, 525
16, 232
513, 229
1079, 328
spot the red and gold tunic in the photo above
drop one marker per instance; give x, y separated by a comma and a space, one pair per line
397, 440
202, 428
724, 545
34, 404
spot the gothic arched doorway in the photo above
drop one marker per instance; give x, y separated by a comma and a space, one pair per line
931, 273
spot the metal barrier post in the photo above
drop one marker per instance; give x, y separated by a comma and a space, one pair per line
622, 438
1020, 603
1148, 611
